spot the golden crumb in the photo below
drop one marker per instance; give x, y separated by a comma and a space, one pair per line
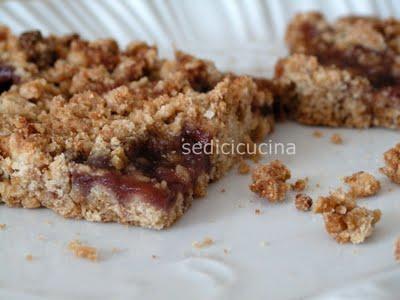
362, 184
257, 211
303, 202
205, 243
269, 181
243, 168
3, 226
397, 250
392, 161
344, 220
83, 251
300, 185
318, 134
29, 257
336, 139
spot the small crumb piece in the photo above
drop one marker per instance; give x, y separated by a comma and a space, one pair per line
362, 184
226, 251
318, 134
269, 181
154, 256
244, 168
344, 220
205, 243
3, 226
264, 243
300, 185
41, 237
257, 211
29, 257
83, 251
336, 139
397, 250
392, 161
223, 191
303, 202
115, 250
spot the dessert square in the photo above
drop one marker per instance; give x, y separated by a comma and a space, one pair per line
345, 73
93, 131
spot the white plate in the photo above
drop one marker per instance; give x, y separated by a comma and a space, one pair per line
280, 254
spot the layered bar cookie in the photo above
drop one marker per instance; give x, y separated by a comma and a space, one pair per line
95, 132
345, 73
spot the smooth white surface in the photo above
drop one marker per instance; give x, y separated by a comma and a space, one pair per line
299, 259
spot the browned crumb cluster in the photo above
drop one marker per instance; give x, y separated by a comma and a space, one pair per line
206, 242
336, 139
344, 220
300, 185
269, 181
243, 167
303, 202
83, 251
397, 250
392, 161
362, 184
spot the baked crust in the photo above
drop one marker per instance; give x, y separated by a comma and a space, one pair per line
352, 62
95, 132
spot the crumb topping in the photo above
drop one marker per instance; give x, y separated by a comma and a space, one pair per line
362, 184
83, 251
392, 164
303, 202
344, 220
269, 181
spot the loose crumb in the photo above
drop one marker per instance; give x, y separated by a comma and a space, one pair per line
336, 139
205, 243
41, 237
222, 190
154, 256
29, 257
344, 220
115, 250
269, 181
83, 251
3, 226
397, 250
257, 211
303, 202
244, 168
392, 161
300, 185
362, 184
226, 251
318, 134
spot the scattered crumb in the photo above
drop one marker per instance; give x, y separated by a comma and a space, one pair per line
29, 257
205, 243
264, 243
318, 185
344, 220
226, 251
336, 139
222, 190
115, 250
154, 256
48, 222
303, 202
269, 181
83, 251
41, 237
244, 168
397, 250
318, 134
257, 211
300, 185
392, 161
3, 226
362, 184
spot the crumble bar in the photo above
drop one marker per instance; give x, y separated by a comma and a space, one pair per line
345, 73
344, 220
96, 132
392, 161
269, 181
362, 184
